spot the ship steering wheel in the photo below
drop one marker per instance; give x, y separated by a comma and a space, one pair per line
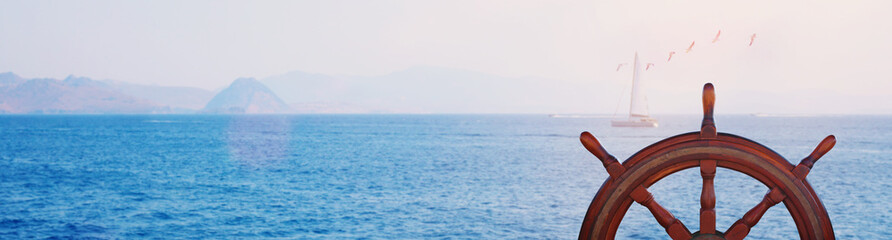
706, 149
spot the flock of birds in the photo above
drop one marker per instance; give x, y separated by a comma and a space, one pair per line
688, 50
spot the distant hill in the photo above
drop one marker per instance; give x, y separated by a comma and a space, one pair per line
9, 78
72, 95
246, 95
84, 95
421, 89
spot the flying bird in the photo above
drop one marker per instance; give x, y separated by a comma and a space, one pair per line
670, 56
619, 66
752, 38
689, 48
648, 66
716, 39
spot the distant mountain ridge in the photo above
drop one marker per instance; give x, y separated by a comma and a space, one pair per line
72, 95
246, 95
83, 95
421, 89
9, 78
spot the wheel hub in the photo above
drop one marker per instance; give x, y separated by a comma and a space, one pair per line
708, 236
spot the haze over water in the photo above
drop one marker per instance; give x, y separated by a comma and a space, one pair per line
395, 176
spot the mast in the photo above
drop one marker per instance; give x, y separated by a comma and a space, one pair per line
638, 104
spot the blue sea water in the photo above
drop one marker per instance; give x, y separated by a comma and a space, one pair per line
396, 176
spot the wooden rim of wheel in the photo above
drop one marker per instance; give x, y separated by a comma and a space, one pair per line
706, 149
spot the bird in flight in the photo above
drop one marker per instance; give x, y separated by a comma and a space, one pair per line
648, 66
691, 47
716, 39
619, 66
752, 38
670, 56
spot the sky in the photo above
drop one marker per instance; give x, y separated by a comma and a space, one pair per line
809, 57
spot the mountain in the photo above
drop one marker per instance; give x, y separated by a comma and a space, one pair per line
414, 90
246, 95
426, 89
72, 95
9, 78
84, 95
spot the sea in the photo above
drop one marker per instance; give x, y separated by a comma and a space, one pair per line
398, 176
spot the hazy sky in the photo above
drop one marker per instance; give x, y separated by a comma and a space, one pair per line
808, 57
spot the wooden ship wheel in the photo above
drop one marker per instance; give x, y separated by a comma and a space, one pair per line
708, 150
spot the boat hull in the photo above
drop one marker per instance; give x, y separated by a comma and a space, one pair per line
626, 123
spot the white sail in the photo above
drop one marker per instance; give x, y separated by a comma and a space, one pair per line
638, 105
638, 115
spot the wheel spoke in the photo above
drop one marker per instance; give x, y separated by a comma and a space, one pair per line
673, 226
707, 197
742, 227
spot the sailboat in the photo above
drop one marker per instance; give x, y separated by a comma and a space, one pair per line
638, 116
